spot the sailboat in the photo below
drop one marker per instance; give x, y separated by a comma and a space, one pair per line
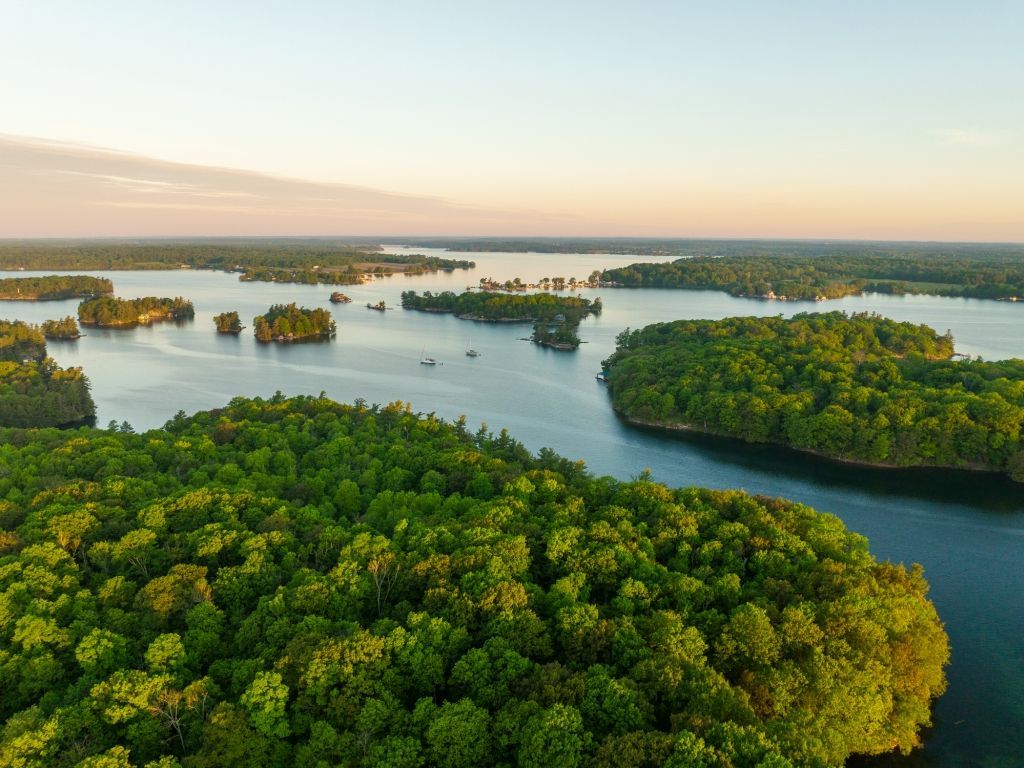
470, 352
424, 360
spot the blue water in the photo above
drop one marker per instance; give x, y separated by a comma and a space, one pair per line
966, 529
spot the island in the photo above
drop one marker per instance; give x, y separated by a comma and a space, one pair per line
289, 323
787, 272
859, 388
34, 390
65, 329
228, 322
380, 306
111, 312
53, 287
295, 582
340, 298
555, 318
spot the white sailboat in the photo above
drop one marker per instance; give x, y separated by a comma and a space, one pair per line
424, 360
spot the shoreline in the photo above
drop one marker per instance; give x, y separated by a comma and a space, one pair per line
680, 427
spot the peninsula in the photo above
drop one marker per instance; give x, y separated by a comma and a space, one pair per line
789, 272
858, 388
34, 390
53, 287
279, 578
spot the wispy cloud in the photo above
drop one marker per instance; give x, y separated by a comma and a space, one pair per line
54, 189
964, 137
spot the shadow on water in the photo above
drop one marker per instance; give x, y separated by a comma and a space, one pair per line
990, 491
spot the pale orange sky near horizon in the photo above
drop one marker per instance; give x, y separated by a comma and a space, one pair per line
658, 118
54, 189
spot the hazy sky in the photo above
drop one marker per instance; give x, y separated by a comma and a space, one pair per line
817, 119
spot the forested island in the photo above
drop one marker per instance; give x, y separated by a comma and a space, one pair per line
555, 318
853, 387
228, 322
34, 390
832, 275
297, 582
288, 323
65, 329
53, 287
110, 312
356, 272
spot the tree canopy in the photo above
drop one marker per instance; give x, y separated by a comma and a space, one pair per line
834, 272
288, 322
65, 328
52, 287
297, 582
108, 311
555, 318
228, 322
859, 387
34, 390
292, 260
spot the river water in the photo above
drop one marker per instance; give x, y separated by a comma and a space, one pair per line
966, 529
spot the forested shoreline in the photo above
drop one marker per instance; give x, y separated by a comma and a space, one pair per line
288, 322
832, 276
854, 387
555, 318
111, 312
284, 261
53, 287
34, 390
297, 582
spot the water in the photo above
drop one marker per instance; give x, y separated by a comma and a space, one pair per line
966, 529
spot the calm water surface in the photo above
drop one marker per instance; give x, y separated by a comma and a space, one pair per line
966, 529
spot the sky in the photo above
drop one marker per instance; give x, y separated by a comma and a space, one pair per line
826, 119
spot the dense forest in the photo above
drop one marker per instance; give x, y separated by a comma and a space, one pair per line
64, 329
108, 311
833, 275
227, 322
301, 583
52, 287
288, 322
858, 387
34, 390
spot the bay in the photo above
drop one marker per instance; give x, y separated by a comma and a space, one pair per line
967, 529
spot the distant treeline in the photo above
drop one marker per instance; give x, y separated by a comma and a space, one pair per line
156, 255
837, 272
110, 311
34, 390
288, 322
860, 387
51, 287
279, 261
